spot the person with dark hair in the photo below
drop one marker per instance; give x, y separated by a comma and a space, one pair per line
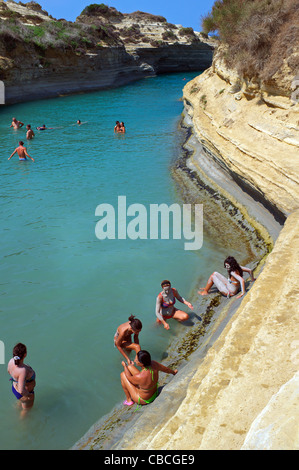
165, 305
122, 129
228, 286
117, 126
30, 134
141, 387
22, 378
22, 152
123, 337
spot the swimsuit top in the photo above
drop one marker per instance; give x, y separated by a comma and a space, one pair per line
152, 373
168, 302
27, 380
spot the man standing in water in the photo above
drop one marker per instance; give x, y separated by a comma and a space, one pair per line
30, 134
16, 124
22, 152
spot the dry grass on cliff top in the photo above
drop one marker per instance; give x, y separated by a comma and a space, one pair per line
259, 34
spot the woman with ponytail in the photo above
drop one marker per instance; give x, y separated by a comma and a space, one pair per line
123, 337
22, 377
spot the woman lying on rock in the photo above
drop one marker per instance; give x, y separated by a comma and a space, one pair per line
142, 386
233, 283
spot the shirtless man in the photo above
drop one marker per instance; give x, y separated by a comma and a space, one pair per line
30, 134
22, 152
16, 124
117, 127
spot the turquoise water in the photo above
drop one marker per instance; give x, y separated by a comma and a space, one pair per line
63, 291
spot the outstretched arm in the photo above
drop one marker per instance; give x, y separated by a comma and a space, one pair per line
165, 369
250, 271
181, 299
159, 312
28, 155
12, 154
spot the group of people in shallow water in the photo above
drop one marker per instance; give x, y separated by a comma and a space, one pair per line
139, 386
21, 150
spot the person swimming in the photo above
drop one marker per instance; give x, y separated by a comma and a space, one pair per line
42, 128
22, 152
23, 378
228, 286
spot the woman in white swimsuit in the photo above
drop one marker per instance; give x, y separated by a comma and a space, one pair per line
231, 285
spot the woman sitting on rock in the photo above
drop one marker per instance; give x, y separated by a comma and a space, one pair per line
142, 386
231, 285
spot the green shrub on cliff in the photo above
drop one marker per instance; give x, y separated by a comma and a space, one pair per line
259, 34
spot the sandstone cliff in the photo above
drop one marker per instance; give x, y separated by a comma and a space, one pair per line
240, 391
41, 57
244, 394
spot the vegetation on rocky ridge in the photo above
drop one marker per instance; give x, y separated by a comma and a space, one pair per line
259, 34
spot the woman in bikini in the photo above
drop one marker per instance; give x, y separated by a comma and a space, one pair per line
233, 284
123, 337
22, 378
165, 308
142, 386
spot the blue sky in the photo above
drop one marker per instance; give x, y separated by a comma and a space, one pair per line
186, 13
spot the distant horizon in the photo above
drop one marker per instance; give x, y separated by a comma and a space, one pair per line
187, 15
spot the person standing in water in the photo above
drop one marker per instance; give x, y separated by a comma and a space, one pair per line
123, 337
16, 124
228, 286
22, 378
22, 152
165, 308
30, 134
117, 127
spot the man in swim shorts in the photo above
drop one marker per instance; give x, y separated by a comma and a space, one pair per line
22, 152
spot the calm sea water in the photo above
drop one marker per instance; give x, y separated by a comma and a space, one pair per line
64, 292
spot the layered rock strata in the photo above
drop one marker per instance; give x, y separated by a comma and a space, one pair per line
244, 395
95, 52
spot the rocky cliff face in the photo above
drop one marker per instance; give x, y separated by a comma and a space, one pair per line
244, 394
41, 57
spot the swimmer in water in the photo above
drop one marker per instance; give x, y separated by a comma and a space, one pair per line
22, 378
16, 124
122, 128
30, 134
165, 305
141, 387
123, 337
79, 122
42, 128
117, 127
22, 153
228, 286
